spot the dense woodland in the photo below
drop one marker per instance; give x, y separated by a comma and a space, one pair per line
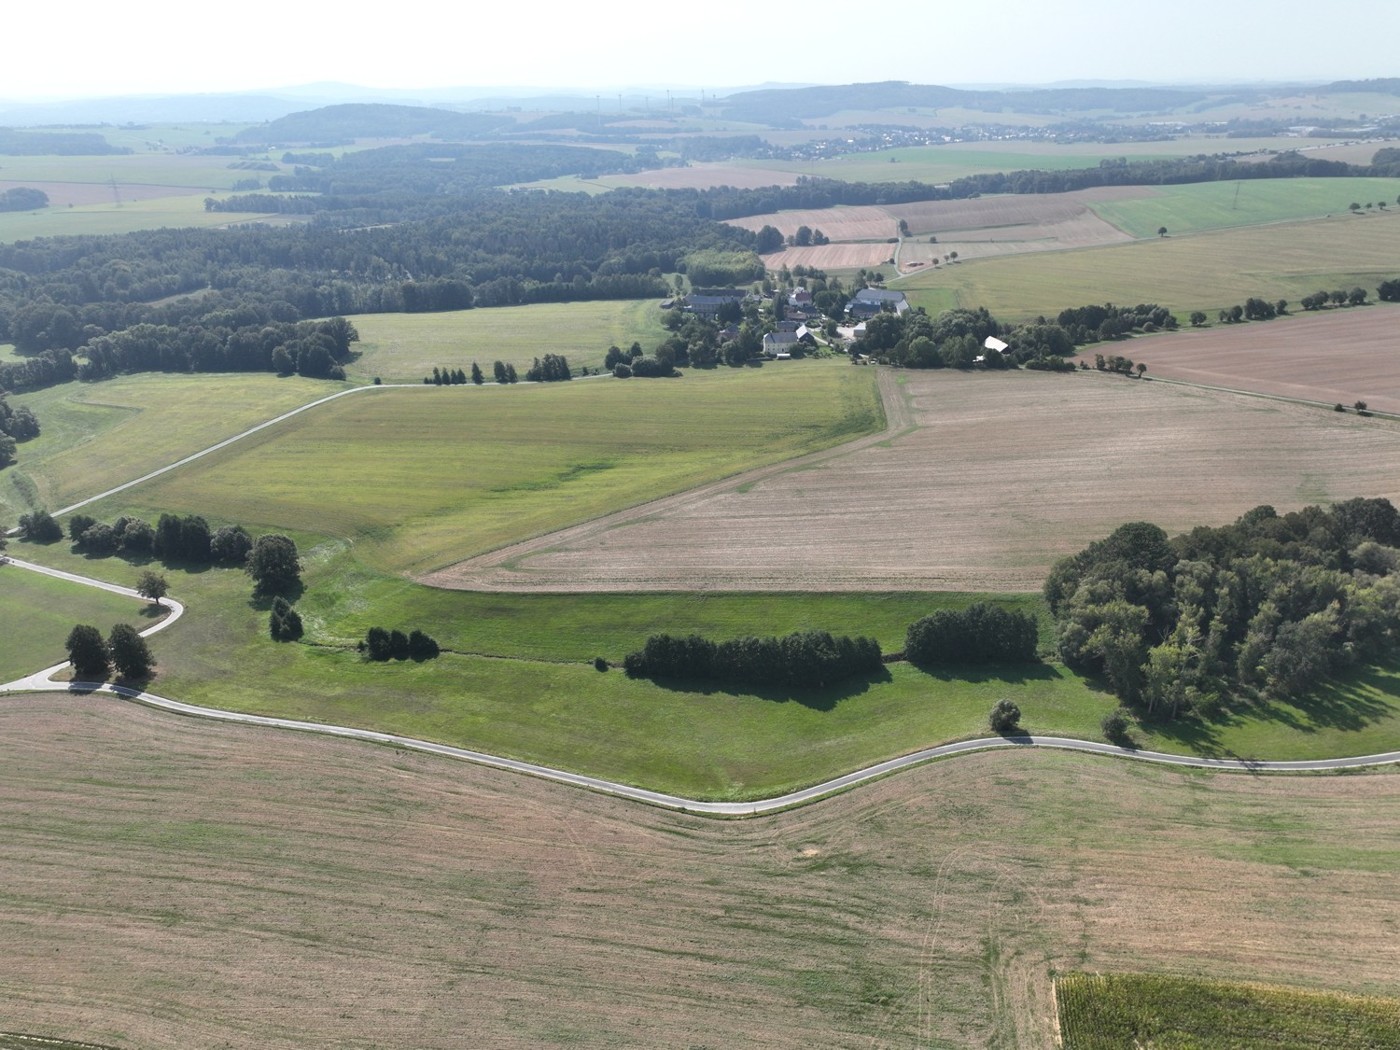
1268, 606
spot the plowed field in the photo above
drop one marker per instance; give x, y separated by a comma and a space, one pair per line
995, 477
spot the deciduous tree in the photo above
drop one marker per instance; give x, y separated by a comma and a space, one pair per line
87, 651
130, 654
273, 565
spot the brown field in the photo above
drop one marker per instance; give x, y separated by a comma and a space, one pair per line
1331, 356
973, 228
173, 884
983, 482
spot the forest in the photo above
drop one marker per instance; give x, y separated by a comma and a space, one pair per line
1268, 606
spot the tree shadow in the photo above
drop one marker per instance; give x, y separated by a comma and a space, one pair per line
262, 600
822, 698
1010, 674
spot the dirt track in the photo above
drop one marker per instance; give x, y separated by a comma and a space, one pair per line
982, 482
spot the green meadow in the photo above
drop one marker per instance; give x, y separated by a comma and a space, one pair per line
37, 612
1221, 205
96, 435
1207, 271
126, 217
940, 164
403, 348
420, 478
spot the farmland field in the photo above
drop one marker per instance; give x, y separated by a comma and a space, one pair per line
1209, 271
403, 348
1121, 1010
416, 477
37, 612
170, 884
141, 422
1335, 356
997, 476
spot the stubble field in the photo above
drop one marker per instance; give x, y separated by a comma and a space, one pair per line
984, 481
173, 885
1334, 357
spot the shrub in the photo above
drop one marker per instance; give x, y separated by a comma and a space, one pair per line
284, 623
600, 664
1115, 726
1005, 717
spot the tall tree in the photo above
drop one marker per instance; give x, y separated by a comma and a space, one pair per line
273, 565
151, 585
130, 654
87, 651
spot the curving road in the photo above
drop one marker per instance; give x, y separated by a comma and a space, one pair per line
41, 681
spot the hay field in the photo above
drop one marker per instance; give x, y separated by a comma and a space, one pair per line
140, 423
403, 348
171, 884
1209, 271
996, 476
415, 477
1332, 356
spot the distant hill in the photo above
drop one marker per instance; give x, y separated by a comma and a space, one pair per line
55, 144
357, 120
783, 106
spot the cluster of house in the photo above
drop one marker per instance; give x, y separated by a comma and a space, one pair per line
798, 308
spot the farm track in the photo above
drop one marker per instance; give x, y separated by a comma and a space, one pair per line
41, 681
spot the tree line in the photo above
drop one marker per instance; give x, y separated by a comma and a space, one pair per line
803, 659
16, 425
1267, 606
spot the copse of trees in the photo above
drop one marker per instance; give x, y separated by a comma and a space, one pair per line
553, 369
804, 659
40, 527
1269, 605
383, 644
980, 634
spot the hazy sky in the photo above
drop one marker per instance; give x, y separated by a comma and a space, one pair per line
82, 48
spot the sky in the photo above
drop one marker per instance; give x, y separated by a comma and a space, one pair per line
167, 47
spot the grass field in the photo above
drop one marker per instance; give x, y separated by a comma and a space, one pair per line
448, 471
1205, 272
1114, 1011
139, 423
403, 348
941, 164
1220, 205
171, 884
37, 612
151, 214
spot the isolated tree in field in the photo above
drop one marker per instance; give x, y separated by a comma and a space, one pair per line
273, 565
1141, 368
1354, 207
151, 585
87, 651
1360, 406
130, 654
1161, 231
1198, 318
1005, 717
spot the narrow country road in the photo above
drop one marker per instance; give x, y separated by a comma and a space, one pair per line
41, 681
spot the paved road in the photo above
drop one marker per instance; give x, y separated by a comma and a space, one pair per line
41, 681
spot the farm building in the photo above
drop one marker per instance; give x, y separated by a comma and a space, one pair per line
870, 301
708, 304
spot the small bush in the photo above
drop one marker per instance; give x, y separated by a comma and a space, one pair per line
1005, 717
1115, 726
599, 664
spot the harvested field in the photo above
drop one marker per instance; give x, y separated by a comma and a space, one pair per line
983, 481
1334, 356
62, 194
171, 884
973, 228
